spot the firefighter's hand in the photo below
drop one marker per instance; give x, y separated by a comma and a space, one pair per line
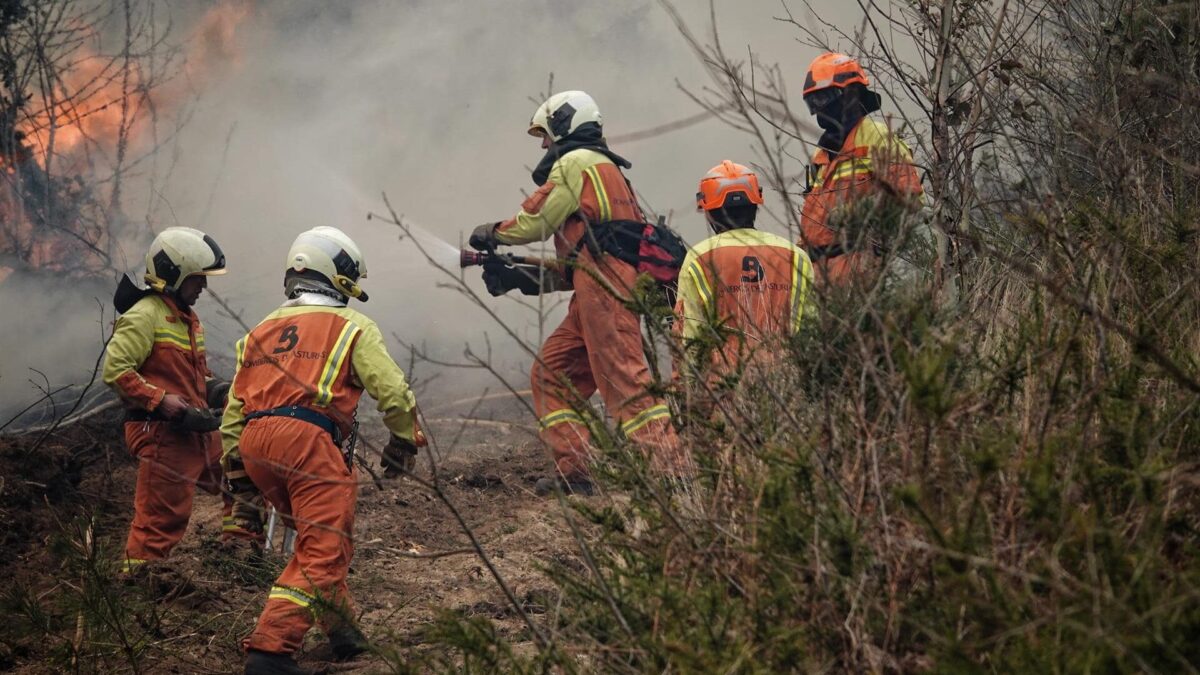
399, 457
500, 279
171, 407
419, 438
197, 420
216, 393
483, 238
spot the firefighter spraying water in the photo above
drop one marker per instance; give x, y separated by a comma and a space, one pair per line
585, 203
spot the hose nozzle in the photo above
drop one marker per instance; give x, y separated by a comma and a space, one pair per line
471, 258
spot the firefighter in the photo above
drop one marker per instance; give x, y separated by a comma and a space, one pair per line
156, 363
581, 190
742, 289
288, 433
861, 171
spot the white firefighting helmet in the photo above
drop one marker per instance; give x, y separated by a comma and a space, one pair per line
562, 114
328, 252
178, 253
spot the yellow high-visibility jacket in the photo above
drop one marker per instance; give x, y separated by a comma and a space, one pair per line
156, 349
742, 288
322, 358
584, 186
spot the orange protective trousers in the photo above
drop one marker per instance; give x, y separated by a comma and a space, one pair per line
598, 347
171, 464
304, 476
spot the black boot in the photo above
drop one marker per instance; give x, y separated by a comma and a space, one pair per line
271, 663
581, 486
347, 642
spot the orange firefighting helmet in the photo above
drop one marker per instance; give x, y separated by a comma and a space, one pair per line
833, 70
728, 184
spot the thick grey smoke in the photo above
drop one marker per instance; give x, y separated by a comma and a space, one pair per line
324, 106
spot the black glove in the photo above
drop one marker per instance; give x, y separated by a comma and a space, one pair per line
216, 393
483, 238
500, 279
399, 457
198, 420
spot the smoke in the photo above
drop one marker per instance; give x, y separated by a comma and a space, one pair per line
306, 112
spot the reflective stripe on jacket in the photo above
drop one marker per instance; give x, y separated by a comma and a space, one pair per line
753, 284
156, 350
583, 184
321, 358
872, 161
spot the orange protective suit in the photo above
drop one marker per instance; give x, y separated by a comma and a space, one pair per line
320, 358
598, 346
873, 162
740, 292
156, 349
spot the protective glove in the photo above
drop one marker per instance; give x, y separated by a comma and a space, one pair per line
483, 238
197, 420
399, 457
500, 279
419, 434
248, 512
216, 393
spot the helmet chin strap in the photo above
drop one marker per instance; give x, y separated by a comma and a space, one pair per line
348, 286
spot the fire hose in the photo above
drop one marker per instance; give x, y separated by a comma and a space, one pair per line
503, 272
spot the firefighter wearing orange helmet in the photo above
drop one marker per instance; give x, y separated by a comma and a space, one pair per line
288, 433
157, 364
741, 290
598, 347
859, 158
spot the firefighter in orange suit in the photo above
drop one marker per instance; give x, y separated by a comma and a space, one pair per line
156, 363
291, 408
859, 158
598, 346
741, 290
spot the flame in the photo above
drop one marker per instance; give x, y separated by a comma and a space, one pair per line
96, 96
96, 108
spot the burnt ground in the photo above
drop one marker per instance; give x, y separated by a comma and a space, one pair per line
190, 617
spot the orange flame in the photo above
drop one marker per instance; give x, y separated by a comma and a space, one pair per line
86, 111
95, 97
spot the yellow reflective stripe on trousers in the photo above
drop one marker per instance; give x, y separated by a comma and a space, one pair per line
559, 417
701, 283
291, 595
130, 564
333, 365
645, 417
229, 524
601, 194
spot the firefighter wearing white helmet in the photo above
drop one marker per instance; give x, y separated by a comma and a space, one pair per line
178, 253
156, 361
583, 197
288, 434
563, 114
324, 259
